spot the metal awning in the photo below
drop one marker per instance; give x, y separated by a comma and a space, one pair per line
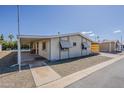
65, 44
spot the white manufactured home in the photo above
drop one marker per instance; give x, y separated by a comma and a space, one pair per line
57, 47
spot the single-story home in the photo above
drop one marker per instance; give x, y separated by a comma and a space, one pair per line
110, 46
57, 47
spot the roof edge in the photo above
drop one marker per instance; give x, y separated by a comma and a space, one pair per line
54, 36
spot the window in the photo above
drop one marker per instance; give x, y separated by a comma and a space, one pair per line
74, 43
65, 44
84, 46
43, 45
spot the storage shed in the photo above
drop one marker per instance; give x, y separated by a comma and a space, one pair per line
95, 47
110, 46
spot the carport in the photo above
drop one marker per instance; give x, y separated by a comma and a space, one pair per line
33, 42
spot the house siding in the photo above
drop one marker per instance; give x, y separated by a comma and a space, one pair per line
64, 53
88, 50
44, 53
75, 51
55, 51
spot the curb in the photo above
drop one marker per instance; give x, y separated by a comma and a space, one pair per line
65, 81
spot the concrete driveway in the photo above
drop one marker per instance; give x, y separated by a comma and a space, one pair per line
109, 77
42, 73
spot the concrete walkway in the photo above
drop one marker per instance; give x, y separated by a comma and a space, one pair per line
42, 73
65, 81
109, 55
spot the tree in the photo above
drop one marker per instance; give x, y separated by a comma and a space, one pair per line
1, 37
97, 38
11, 36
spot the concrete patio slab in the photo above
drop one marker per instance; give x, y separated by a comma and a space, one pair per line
43, 74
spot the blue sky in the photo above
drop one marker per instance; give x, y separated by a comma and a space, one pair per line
49, 20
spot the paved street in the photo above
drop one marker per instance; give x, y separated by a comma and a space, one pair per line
110, 77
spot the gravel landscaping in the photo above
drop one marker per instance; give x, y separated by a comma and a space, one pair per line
10, 77
69, 66
7, 58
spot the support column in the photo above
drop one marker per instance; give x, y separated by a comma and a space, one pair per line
19, 53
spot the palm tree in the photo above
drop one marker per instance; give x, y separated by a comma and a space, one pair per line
11, 36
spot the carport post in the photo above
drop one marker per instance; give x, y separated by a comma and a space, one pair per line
19, 54
18, 40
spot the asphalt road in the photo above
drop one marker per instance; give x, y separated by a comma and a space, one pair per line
111, 76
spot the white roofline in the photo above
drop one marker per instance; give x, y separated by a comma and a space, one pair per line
53, 36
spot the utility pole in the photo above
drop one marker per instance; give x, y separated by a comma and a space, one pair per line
121, 43
18, 40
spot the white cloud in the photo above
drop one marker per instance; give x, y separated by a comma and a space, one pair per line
92, 34
87, 32
117, 31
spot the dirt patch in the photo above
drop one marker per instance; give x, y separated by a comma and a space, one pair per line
15, 79
66, 67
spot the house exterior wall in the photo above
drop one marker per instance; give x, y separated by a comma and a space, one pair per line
64, 53
83, 51
76, 51
44, 53
89, 48
87, 51
55, 55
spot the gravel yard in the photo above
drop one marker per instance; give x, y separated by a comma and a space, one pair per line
69, 66
14, 79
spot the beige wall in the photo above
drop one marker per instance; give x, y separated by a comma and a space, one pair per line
44, 53
55, 49
88, 50
104, 47
108, 47
75, 51
54, 52
64, 53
